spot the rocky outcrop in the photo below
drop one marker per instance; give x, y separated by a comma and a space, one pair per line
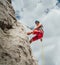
7, 15
14, 44
9, 1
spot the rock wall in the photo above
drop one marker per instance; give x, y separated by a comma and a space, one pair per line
14, 44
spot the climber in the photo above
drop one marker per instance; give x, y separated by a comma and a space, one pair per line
38, 32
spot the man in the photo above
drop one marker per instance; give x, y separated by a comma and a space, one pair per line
38, 32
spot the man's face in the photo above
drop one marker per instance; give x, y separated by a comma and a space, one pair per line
37, 24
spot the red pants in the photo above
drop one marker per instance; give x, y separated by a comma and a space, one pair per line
38, 35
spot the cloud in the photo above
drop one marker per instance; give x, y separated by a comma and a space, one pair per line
51, 23
32, 9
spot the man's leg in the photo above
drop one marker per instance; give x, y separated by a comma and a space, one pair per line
34, 39
39, 36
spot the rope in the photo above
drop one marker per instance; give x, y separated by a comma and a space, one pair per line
42, 54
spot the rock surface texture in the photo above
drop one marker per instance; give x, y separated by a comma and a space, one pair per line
14, 44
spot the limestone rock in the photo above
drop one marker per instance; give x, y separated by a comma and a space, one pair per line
14, 44
9, 1
7, 15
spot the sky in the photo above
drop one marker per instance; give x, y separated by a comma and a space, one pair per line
48, 13
59, 1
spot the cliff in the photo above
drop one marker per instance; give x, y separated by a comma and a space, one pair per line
14, 45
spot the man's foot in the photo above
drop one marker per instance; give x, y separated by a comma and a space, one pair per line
30, 41
41, 40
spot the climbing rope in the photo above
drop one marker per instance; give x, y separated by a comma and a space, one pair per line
42, 54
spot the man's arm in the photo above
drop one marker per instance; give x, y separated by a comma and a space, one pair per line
38, 26
29, 33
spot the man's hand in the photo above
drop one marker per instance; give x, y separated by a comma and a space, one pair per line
29, 33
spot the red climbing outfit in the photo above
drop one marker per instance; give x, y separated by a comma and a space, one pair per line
38, 34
